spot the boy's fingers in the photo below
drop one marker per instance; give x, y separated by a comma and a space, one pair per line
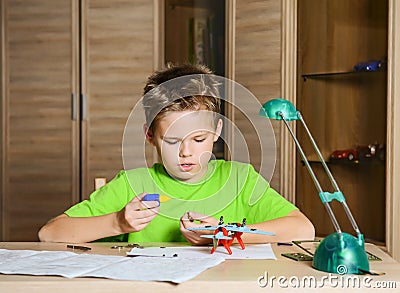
182, 224
139, 203
184, 220
194, 216
141, 216
149, 204
140, 196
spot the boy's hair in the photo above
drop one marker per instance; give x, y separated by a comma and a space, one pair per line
157, 101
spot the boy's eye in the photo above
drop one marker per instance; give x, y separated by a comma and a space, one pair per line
199, 139
171, 141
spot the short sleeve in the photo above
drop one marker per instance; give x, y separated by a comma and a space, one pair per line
110, 198
264, 202
271, 206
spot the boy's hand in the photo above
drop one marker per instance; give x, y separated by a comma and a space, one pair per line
189, 219
137, 214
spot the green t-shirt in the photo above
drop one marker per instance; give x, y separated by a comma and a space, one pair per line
230, 189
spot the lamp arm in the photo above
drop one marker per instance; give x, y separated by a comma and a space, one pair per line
314, 178
328, 172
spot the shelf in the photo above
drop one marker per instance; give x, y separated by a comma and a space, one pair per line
341, 74
341, 162
347, 162
338, 162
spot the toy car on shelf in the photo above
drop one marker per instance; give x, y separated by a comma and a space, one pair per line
359, 153
371, 65
372, 151
349, 154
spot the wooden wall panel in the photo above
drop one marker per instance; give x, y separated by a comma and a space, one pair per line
117, 59
258, 64
38, 132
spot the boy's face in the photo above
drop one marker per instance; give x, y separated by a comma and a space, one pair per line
184, 142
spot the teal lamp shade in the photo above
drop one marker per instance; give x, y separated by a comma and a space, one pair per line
273, 108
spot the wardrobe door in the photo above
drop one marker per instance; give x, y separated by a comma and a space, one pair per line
38, 130
117, 58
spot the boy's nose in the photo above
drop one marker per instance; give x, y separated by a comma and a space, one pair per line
184, 150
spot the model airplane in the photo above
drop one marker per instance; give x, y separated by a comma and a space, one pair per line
225, 234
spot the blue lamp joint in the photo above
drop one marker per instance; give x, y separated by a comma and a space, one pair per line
328, 197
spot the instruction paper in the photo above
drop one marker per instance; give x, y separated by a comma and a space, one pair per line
72, 265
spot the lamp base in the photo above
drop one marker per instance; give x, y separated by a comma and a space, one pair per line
341, 253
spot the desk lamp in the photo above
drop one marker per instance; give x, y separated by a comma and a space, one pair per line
339, 252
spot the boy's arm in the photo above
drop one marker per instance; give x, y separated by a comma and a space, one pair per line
77, 230
134, 217
294, 226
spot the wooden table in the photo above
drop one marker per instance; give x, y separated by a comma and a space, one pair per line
230, 276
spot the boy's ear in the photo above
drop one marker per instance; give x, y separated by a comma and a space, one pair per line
149, 134
218, 130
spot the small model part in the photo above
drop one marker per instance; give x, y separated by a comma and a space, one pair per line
285, 244
129, 245
191, 219
117, 247
298, 256
134, 245
156, 197
79, 247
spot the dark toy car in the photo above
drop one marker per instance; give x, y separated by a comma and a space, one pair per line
372, 151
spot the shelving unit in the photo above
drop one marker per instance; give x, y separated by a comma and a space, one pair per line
343, 108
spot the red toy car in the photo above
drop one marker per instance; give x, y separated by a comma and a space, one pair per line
360, 152
350, 154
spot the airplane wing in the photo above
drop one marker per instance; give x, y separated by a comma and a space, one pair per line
234, 228
205, 228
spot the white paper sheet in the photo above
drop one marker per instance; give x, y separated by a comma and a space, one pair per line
70, 265
259, 251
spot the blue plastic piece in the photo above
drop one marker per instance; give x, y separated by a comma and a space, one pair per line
152, 197
273, 108
328, 197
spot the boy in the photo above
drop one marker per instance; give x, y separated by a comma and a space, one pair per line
183, 129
